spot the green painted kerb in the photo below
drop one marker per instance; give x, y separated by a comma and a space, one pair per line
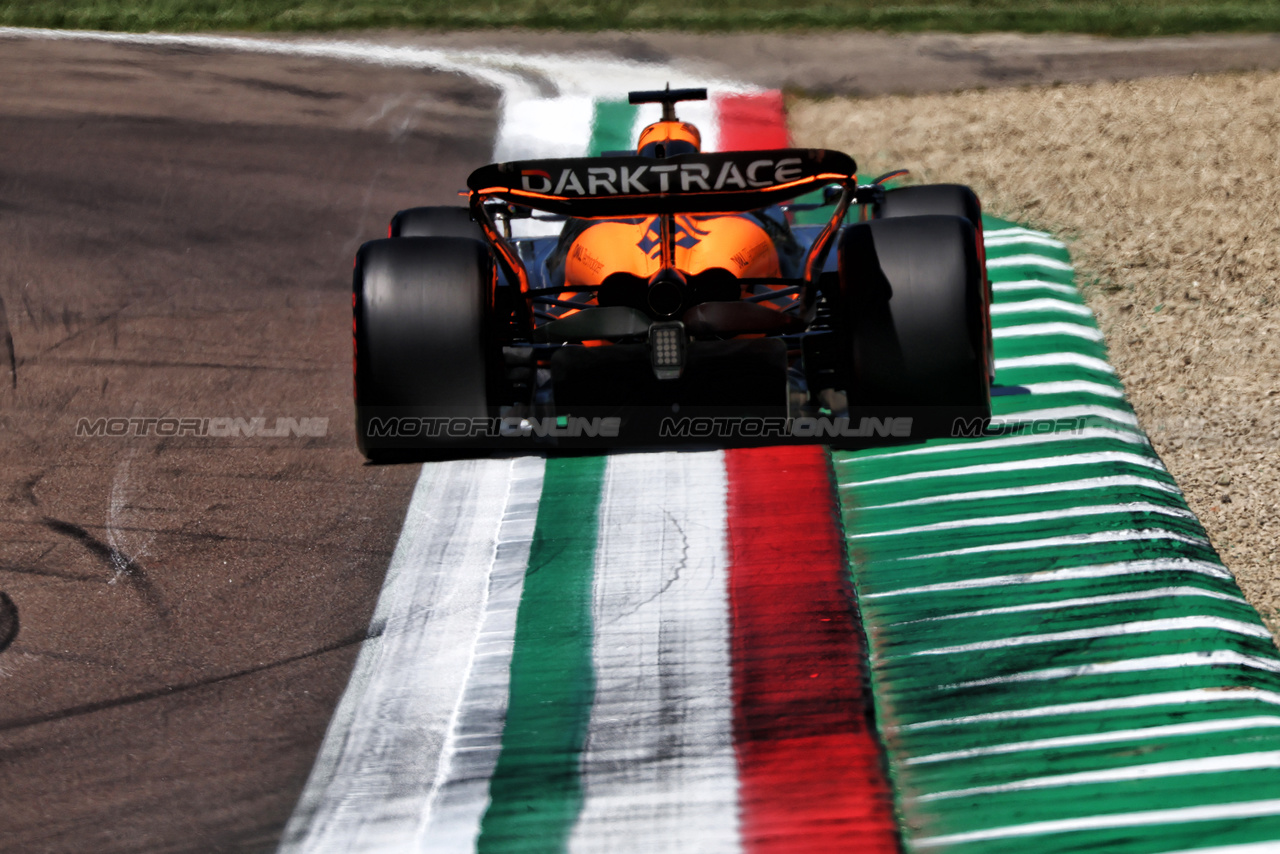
536, 793
1060, 661
611, 127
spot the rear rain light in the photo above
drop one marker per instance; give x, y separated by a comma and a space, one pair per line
668, 349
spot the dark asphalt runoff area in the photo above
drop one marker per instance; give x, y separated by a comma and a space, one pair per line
176, 234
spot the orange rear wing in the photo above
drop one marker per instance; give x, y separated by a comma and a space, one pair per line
731, 182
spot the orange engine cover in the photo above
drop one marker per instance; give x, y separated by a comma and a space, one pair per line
736, 243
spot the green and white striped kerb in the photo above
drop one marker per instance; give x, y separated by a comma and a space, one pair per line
1061, 662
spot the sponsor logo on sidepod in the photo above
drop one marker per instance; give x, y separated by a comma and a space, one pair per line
663, 178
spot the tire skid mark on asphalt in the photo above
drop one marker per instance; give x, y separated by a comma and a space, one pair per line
6, 341
169, 690
9, 622
123, 566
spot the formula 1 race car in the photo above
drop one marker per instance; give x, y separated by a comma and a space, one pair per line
680, 300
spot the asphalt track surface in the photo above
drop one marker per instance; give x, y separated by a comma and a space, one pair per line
176, 228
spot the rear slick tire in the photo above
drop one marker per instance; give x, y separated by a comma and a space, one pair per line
423, 360
941, 200
914, 310
931, 200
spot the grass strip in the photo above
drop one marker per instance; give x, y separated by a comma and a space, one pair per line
1101, 17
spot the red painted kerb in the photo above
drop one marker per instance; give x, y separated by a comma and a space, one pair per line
809, 762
